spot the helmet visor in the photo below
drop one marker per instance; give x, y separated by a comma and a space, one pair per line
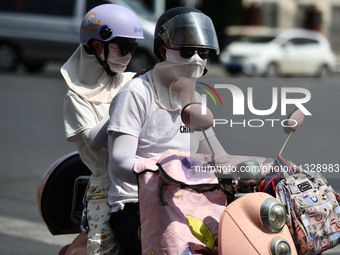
189, 30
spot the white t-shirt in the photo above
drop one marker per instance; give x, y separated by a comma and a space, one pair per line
134, 111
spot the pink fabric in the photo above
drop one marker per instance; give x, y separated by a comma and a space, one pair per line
163, 211
142, 164
169, 214
166, 209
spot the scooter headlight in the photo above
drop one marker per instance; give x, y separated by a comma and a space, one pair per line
273, 215
279, 246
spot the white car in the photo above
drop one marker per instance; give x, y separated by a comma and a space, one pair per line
291, 52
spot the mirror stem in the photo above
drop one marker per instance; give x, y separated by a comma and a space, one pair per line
284, 145
212, 162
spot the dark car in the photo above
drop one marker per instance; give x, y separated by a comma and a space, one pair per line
34, 32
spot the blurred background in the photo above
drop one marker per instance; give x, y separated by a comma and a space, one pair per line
35, 32
264, 44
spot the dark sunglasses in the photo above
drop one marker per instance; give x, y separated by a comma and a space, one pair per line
126, 47
188, 52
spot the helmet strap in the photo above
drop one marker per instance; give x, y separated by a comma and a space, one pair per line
104, 62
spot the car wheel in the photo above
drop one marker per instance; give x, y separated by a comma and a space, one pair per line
9, 57
34, 67
140, 60
233, 72
272, 70
324, 72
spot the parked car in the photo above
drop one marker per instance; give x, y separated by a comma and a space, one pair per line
291, 52
34, 32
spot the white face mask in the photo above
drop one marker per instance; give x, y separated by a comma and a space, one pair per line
116, 61
85, 76
185, 67
174, 79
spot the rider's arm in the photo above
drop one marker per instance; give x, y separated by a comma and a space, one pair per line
122, 151
95, 138
127, 115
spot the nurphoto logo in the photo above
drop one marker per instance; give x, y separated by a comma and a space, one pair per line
288, 96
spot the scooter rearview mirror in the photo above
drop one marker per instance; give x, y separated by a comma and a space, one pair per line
293, 121
193, 118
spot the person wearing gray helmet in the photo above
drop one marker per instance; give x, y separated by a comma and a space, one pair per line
94, 74
145, 115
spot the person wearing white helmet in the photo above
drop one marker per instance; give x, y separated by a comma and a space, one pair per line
94, 74
145, 115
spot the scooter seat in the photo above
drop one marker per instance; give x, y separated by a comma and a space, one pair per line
56, 193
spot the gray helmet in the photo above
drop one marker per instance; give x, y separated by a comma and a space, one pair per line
185, 27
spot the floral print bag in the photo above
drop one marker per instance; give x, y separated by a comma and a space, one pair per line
312, 207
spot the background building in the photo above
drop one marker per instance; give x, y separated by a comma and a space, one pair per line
323, 16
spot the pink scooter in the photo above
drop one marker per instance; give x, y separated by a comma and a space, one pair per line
252, 222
